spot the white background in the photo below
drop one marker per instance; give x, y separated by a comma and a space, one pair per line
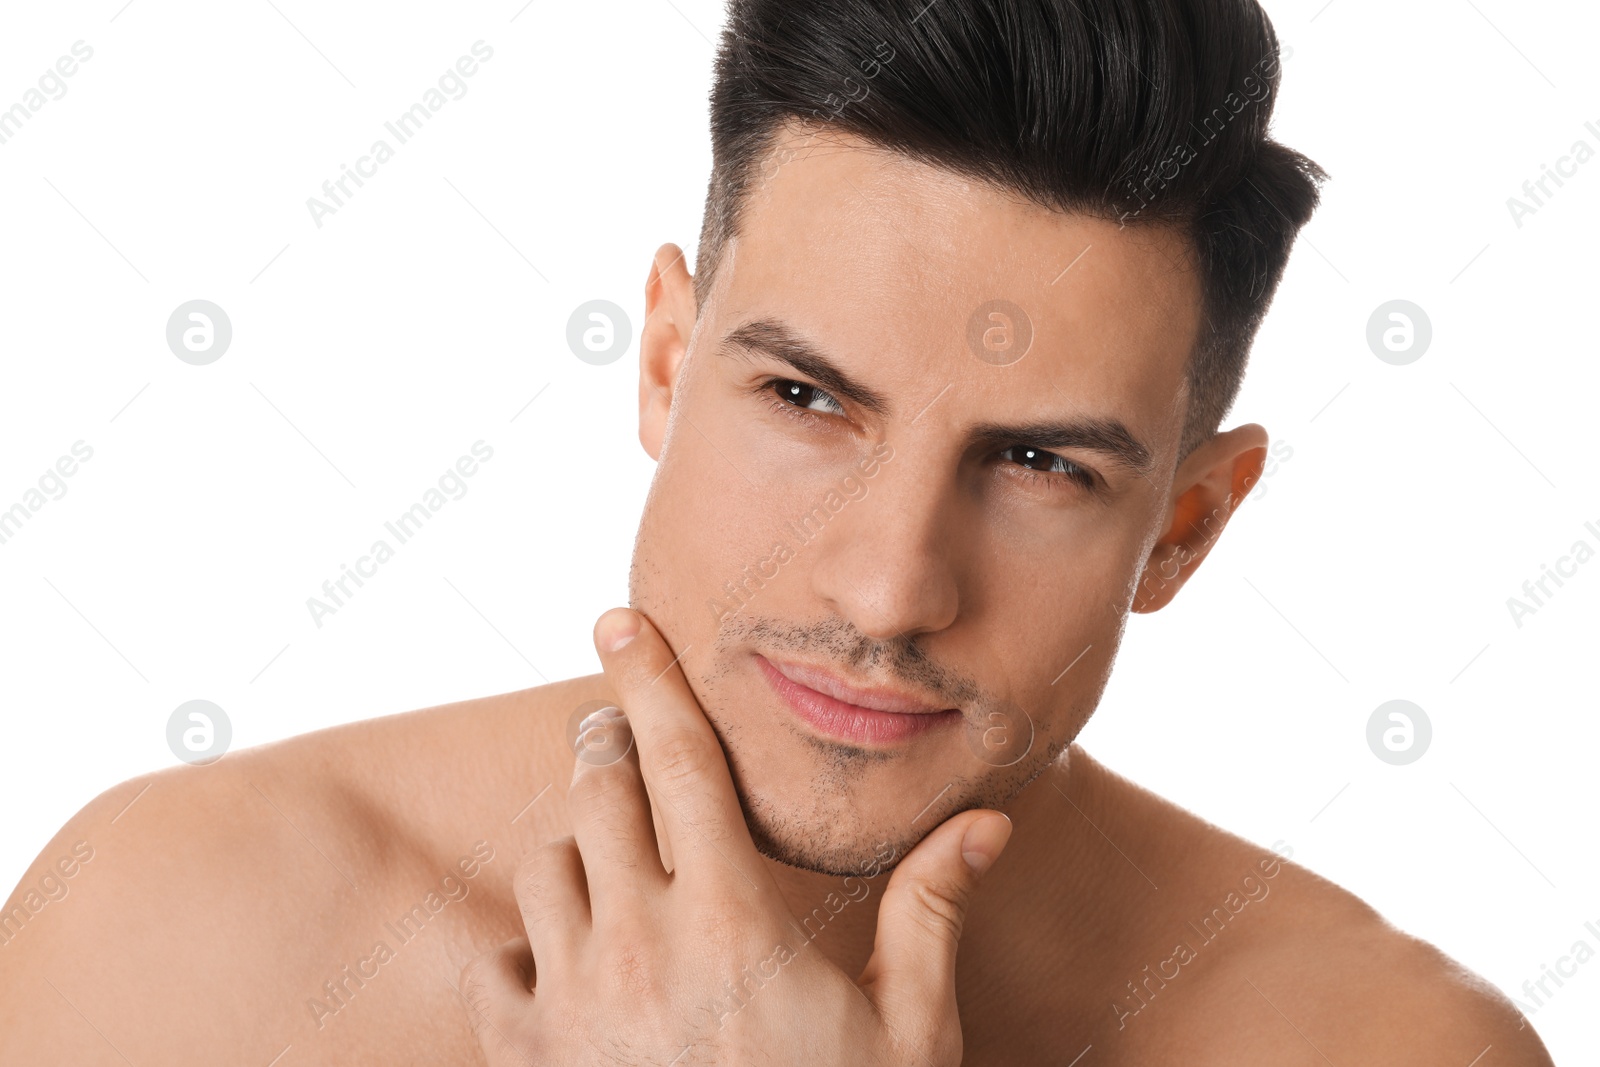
425, 315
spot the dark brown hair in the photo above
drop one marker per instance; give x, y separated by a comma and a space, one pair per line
1151, 112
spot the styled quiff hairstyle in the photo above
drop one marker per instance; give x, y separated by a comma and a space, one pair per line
1150, 112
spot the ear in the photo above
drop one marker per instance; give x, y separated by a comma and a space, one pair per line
669, 312
1210, 483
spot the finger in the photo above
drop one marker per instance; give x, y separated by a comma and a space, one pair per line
553, 896
679, 754
496, 988
610, 814
911, 976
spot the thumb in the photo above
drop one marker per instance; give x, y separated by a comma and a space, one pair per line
911, 975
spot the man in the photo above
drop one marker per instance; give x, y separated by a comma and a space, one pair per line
939, 407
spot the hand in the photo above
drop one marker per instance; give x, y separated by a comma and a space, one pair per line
626, 962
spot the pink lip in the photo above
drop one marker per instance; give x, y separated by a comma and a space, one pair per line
849, 713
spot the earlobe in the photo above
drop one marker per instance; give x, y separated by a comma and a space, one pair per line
669, 305
1210, 485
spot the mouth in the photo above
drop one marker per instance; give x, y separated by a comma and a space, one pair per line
845, 712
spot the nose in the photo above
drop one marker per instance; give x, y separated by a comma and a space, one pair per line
886, 563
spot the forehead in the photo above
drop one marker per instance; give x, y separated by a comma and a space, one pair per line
885, 261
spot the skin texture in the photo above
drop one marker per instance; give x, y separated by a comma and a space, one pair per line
221, 899
634, 958
969, 580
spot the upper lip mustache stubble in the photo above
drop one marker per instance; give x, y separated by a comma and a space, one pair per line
873, 698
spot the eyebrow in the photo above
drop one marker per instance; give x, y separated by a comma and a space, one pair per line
1109, 437
775, 339
1106, 436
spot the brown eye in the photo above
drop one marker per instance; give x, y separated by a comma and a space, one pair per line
1047, 463
809, 397
1033, 458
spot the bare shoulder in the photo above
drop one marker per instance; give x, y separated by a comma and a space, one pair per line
1333, 981
1289, 968
1330, 979
199, 909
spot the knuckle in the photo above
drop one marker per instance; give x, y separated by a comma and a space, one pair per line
632, 969
595, 786
634, 669
724, 930
623, 929
540, 913
939, 907
612, 844
629, 961
536, 874
681, 757
622, 851
929, 1037
530, 886
477, 990
946, 1046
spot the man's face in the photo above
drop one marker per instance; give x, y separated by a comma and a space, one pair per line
897, 502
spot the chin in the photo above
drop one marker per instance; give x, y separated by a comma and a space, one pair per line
830, 817
836, 820
829, 809
799, 841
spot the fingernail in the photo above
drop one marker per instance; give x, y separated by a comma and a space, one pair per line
617, 627
983, 841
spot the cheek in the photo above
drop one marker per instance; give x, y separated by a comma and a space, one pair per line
1049, 621
1034, 569
733, 483
705, 541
